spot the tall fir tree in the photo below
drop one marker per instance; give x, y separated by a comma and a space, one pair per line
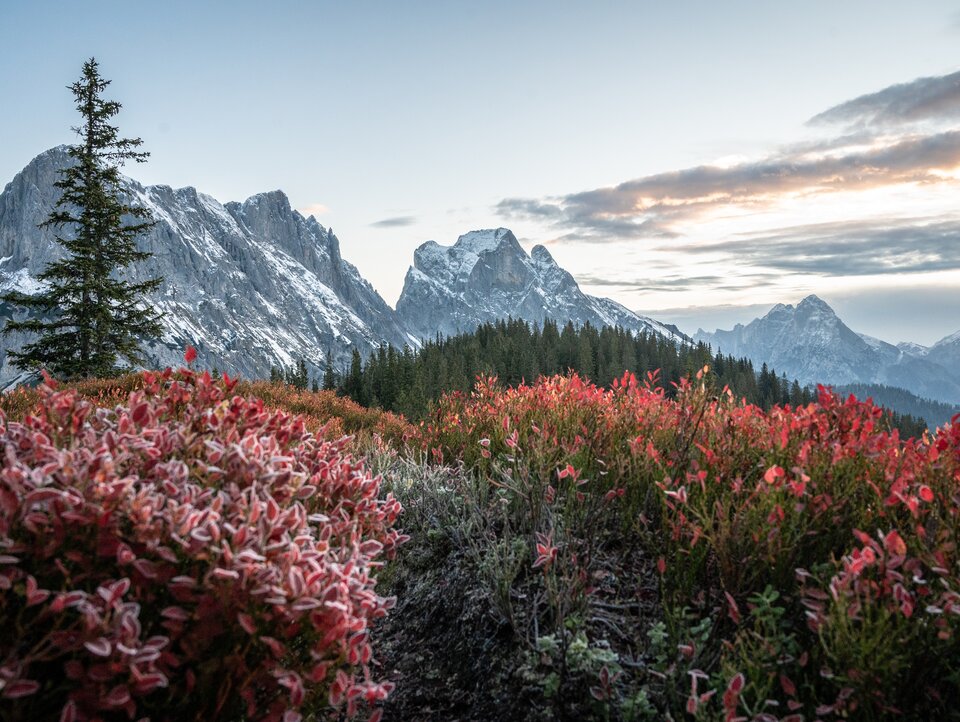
329, 374
88, 318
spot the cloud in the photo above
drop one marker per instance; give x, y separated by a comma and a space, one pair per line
656, 205
934, 98
880, 144
668, 284
885, 183
396, 222
679, 283
673, 284
530, 208
314, 209
858, 248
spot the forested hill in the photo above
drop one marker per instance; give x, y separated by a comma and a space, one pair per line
934, 413
408, 381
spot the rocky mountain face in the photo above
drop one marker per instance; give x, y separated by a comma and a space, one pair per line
254, 285
486, 275
809, 342
251, 285
945, 352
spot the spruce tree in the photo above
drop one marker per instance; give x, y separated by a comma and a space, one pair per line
88, 317
353, 384
297, 375
329, 375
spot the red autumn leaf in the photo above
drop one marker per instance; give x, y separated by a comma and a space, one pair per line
140, 413
246, 622
177, 613
118, 696
69, 712
736, 684
732, 610
789, 688
894, 543
20, 688
34, 594
100, 647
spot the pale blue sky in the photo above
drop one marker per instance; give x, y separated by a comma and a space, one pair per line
430, 114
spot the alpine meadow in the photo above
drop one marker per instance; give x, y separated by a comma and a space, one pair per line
507, 475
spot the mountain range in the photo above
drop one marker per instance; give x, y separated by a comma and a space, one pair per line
486, 275
255, 285
810, 343
250, 285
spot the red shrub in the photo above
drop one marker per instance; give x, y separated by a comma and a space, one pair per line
320, 407
740, 502
184, 553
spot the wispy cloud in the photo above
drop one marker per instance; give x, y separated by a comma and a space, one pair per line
658, 205
669, 284
879, 145
848, 249
936, 98
396, 222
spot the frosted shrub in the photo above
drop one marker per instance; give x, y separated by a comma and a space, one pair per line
185, 554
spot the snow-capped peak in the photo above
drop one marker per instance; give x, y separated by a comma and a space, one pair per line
814, 301
251, 285
811, 343
541, 255
486, 275
272, 199
484, 240
948, 340
914, 349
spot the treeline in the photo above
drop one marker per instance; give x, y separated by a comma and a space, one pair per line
408, 381
934, 413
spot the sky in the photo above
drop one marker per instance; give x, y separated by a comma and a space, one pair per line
696, 161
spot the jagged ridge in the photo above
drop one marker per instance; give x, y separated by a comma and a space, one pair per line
809, 342
486, 275
251, 284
